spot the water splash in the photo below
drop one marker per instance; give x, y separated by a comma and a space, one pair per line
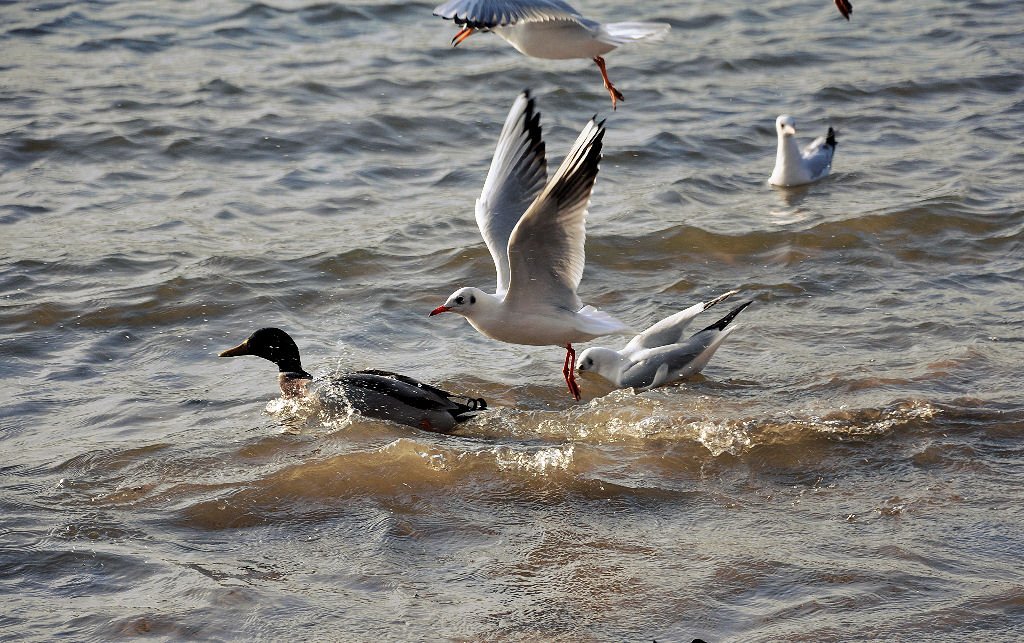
537, 462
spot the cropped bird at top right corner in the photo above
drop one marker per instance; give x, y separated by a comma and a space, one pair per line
795, 166
845, 7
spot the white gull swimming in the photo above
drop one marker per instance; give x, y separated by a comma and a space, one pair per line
660, 355
535, 231
794, 166
548, 29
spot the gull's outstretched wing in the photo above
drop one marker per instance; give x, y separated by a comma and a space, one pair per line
517, 175
670, 330
546, 249
485, 14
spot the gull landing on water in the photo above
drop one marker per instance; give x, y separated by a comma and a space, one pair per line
660, 355
794, 166
548, 29
535, 231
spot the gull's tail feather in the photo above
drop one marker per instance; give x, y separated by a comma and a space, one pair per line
597, 322
619, 33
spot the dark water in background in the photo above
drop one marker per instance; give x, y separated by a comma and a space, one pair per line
175, 175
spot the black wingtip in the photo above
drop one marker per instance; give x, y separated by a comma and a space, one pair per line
725, 321
830, 138
845, 8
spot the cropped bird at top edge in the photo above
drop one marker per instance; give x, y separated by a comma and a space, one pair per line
535, 230
660, 355
548, 29
794, 166
374, 394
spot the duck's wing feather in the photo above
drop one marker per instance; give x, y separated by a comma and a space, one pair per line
546, 249
517, 175
485, 14
411, 392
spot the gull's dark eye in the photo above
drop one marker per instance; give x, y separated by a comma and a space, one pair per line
590, 362
460, 300
472, 299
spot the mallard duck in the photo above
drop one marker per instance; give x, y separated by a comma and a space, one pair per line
375, 394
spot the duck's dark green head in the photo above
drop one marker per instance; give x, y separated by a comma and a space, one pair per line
272, 344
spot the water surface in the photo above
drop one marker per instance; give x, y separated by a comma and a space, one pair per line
175, 175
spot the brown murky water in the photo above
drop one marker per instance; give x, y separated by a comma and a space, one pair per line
175, 175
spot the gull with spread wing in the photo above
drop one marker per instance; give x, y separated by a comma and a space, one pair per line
535, 230
660, 355
548, 29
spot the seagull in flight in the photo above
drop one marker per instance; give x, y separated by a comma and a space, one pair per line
535, 231
548, 29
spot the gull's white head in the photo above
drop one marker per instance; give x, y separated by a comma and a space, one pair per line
785, 125
604, 361
463, 301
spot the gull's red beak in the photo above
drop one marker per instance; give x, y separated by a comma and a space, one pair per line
439, 310
466, 32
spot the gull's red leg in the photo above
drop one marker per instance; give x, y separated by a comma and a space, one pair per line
569, 371
464, 33
614, 93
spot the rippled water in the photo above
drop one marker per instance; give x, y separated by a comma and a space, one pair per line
175, 175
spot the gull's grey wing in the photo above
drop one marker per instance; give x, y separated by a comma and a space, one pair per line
817, 156
485, 14
517, 175
676, 357
546, 249
670, 330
